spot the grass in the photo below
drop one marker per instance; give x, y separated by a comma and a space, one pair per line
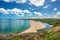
52, 36
15, 38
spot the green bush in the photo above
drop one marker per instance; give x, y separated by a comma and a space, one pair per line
17, 38
52, 36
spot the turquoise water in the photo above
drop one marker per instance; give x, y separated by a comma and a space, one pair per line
8, 26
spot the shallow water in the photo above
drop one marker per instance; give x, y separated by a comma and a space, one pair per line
8, 26
47, 26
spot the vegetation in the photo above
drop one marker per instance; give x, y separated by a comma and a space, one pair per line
54, 22
46, 35
52, 35
16, 38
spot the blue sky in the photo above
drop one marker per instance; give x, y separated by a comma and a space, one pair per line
30, 8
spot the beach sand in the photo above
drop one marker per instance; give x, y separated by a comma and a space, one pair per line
34, 26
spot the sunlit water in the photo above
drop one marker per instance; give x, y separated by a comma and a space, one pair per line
8, 26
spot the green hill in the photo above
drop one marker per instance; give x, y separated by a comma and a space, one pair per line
54, 22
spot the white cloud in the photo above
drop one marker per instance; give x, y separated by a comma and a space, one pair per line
17, 1
37, 2
22, 12
53, 0
46, 6
57, 15
55, 9
20, 1
38, 13
8, 0
18, 11
26, 11
15, 11
2, 10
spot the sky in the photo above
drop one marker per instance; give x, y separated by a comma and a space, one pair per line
29, 8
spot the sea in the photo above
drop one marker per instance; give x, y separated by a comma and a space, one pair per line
8, 26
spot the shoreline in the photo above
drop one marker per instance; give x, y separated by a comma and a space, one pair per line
34, 27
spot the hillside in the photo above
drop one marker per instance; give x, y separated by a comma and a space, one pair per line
54, 22
45, 35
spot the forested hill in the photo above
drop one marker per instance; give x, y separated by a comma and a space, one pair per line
54, 22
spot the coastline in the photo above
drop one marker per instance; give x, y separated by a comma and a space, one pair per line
34, 27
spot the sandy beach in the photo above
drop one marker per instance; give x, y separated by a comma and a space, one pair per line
34, 26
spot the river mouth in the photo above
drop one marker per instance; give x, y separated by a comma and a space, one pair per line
8, 26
